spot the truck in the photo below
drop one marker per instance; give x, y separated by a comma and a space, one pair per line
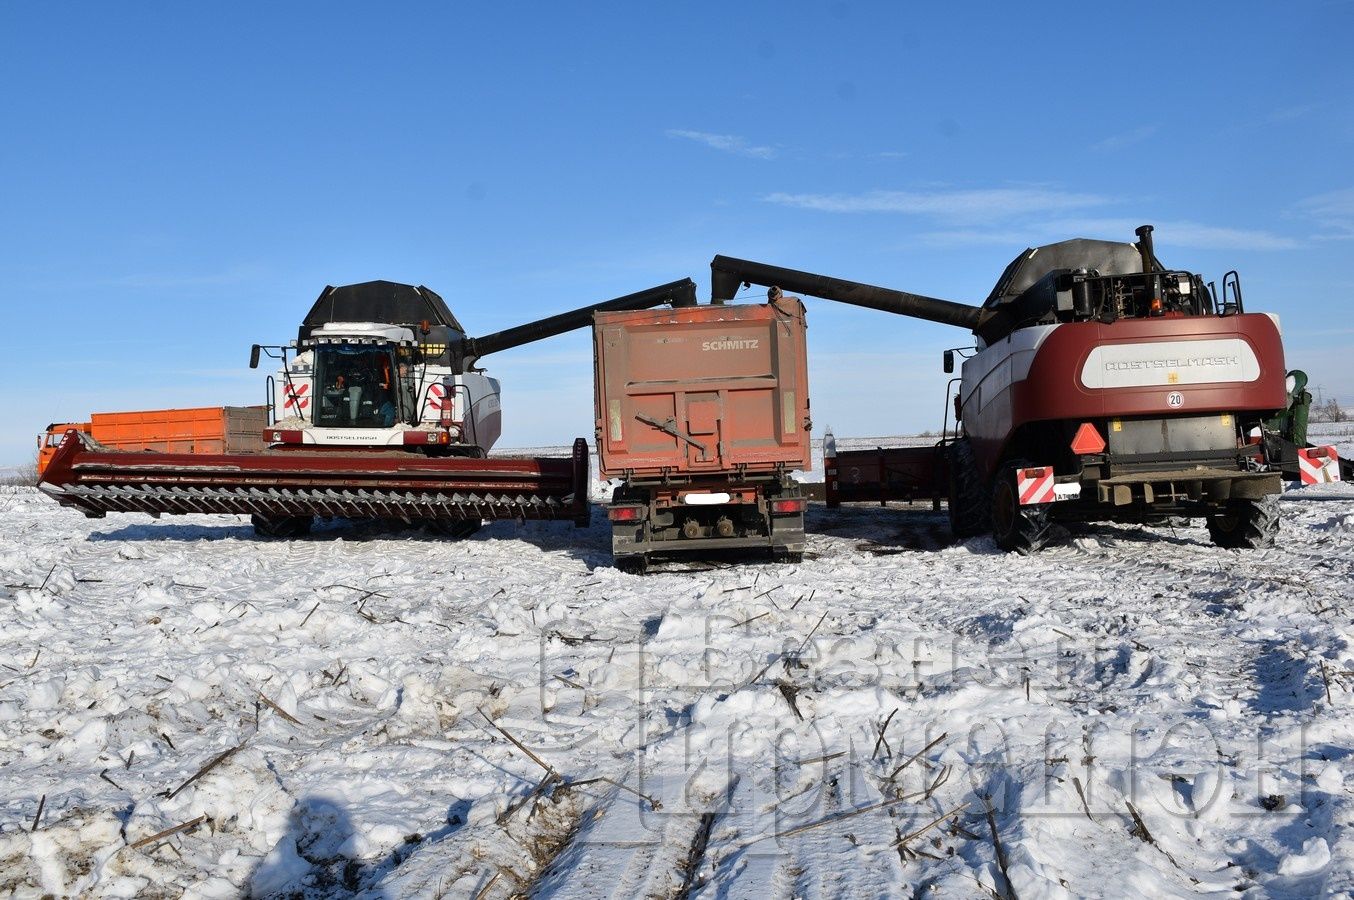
702, 416
202, 429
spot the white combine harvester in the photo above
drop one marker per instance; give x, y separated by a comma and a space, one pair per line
378, 411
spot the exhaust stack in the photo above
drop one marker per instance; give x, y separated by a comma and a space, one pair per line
1149, 256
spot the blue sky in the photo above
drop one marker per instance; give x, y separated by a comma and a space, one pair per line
178, 181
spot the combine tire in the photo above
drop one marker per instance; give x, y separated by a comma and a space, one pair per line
1023, 529
458, 529
968, 500
1249, 524
282, 527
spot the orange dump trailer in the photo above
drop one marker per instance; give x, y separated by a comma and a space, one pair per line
703, 412
206, 429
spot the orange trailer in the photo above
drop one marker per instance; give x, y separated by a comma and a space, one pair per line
206, 429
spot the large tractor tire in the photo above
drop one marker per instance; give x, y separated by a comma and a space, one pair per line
1023, 529
281, 527
457, 529
967, 501
1246, 524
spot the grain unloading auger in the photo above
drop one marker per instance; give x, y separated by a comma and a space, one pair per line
1102, 387
379, 411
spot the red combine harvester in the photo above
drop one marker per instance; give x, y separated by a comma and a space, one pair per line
1102, 387
703, 413
400, 427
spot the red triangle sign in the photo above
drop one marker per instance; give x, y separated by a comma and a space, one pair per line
1088, 440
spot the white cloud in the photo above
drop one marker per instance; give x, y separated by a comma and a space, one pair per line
1027, 216
960, 205
1170, 234
1214, 237
1116, 141
1332, 211
728, 143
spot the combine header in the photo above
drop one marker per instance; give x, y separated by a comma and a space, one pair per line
378, 411
1102, 386
284, 490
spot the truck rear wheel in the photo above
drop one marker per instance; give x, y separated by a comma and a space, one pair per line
1023, 529
967, 500
1249, 524
282, 526
633, 565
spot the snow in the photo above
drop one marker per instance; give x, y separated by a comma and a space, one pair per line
711, 728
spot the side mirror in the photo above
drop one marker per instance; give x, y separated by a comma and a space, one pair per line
254, 357
949, 362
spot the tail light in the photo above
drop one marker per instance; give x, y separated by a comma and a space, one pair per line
787, 507
445, 417
420, 437
625, 513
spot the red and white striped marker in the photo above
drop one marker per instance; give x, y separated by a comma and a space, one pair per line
1035, 485
1318, 465
437, 394
296, 396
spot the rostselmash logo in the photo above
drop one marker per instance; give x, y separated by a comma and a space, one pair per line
730, 344
1180, 363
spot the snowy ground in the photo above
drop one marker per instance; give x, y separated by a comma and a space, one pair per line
392, 715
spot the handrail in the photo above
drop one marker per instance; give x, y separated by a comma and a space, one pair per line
1231, 280
468, 417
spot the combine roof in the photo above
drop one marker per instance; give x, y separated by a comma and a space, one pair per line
387, 302
1106, 257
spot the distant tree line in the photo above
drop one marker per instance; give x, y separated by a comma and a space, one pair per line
1329, 409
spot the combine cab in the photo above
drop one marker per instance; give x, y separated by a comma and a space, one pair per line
378, 411
1102, 387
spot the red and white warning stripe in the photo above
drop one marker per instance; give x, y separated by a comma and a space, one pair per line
295, 396
1035, 485
437, 396
1318, 465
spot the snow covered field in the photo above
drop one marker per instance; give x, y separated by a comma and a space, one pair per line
1130, 713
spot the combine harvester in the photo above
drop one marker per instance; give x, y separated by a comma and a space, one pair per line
378, 411
1102, 387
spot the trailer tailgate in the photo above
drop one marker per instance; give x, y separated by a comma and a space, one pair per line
702, 390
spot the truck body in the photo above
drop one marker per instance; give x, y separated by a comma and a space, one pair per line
702, 413
204, 429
